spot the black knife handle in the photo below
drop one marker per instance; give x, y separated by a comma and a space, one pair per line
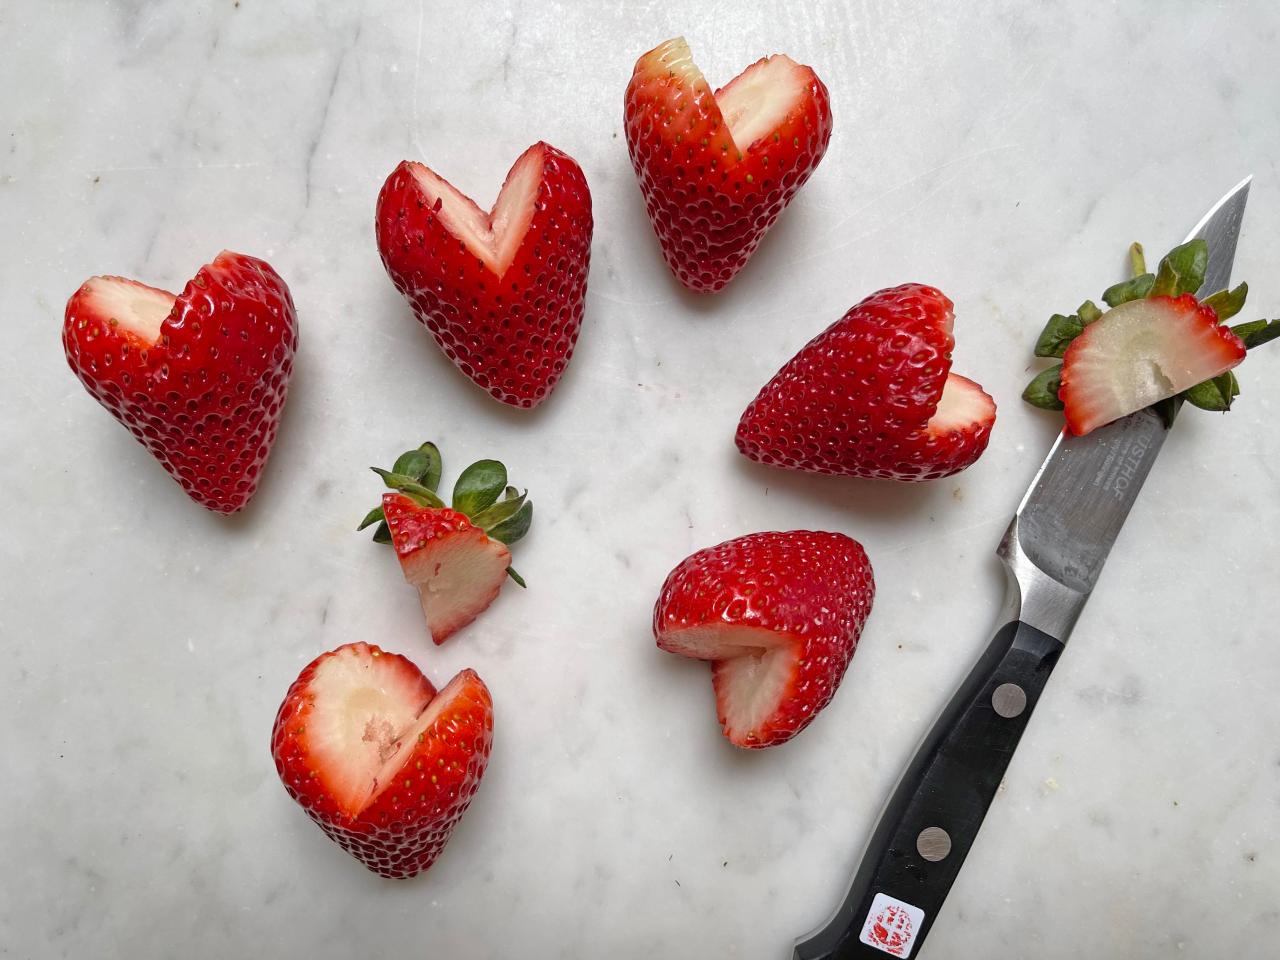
931, 821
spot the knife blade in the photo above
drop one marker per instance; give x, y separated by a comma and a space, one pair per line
1053, 552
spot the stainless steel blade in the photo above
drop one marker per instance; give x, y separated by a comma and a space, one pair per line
1079, 499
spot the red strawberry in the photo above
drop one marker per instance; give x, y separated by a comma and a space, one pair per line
780, 615
502, 292
381, 761
873, 396
717, 170
200, 379
1142, 352
457, 558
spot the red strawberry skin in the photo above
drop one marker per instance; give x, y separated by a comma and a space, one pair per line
403, 831
512, 335
205, 399
814, 587
709, 204
857, 399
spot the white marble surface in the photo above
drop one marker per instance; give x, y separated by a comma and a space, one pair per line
1006, 152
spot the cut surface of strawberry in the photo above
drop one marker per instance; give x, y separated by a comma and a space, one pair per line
379, 759
779, 616
1142, 352
716, 170
200, 379
502, 292
873, 396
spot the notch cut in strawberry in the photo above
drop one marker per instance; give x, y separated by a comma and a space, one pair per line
873, 396
457, 556
717, 170
379, 759
1157, 346
200, 378
502, 291
779, 616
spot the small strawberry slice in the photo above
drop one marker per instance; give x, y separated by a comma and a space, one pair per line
502, 292
382, 762
873, 396
456, 557
199, 379
1142, 352
717, 170
779, 614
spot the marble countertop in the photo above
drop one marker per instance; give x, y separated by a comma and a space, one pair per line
1004, 152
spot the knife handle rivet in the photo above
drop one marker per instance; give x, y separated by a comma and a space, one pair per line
934, 844
1009, 700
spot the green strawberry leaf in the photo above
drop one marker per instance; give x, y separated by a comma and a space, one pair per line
1057, 335
1167, 409
1088, 313
1137, 259
1257, 332
1227, 303
511, 572
409, 487
1182, 269
1215, 394
373, 516
479, 486
514, 527
423, 465
1042, 391
511, 493
1135, 288
382, 534
500, 511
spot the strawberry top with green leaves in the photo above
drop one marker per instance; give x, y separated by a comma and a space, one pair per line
873, 396
457, 557
502, 292
1157, 346
200, 378
716, 170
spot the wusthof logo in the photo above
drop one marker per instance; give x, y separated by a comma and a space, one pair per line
1128, 466
891, 926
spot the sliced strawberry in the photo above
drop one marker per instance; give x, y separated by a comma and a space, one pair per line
873, 396
457, 568
382, 762
779, 614
717, 170
1142, 352
502, 292
199, 379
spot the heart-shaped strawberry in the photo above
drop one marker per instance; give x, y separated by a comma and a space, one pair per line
502, 292
873, 396
200, 379
717, 169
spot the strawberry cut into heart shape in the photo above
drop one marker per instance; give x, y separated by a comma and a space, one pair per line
379, 759
716, 170
503, 292
199, 379
873, 396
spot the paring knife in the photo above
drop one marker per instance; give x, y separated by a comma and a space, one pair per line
1053, 552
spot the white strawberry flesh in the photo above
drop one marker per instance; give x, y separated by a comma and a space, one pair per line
756, 101
962, 404
457, 577
493, 237
136, 307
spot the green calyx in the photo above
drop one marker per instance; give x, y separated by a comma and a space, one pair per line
1180, 271
481, 494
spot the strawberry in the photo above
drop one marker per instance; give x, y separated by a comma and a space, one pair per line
382, 762
779, 616
1157, 346
457, 557
200, 379
717, 170
873, 396
502, 292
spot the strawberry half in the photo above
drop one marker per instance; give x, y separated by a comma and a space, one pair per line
873, 396
1140, 353
381, 761
199, 379
1157, 346
502, 292
779, 615
716, 170
456, 557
